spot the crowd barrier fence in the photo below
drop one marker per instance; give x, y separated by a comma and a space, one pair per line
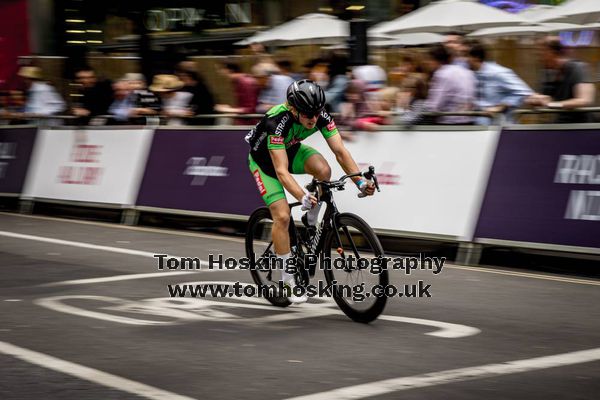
531, 186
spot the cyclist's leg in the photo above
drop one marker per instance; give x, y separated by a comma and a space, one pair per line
280, 212
309, 161
273, 195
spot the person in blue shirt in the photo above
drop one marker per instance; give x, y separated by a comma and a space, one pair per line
498, 89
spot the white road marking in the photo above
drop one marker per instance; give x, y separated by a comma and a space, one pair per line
382, 387
119, 250
447, 330
56, 304
78, 244
124, 277
128, 227
89, 374
527, 275
179, 310
239, 240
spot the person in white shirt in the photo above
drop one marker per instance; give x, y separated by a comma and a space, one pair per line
174, 104
42, 98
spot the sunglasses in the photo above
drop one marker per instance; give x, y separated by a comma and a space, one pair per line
310, 116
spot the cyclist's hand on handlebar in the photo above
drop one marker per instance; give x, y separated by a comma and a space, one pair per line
367, 188
308, 201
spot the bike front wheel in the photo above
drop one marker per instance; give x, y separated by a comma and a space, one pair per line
340, 262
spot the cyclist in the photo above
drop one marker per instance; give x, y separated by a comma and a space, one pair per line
276, 152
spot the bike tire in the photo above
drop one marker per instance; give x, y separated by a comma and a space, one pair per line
371, 312
259, 215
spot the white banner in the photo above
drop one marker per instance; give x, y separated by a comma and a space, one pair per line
432, 182
100, 166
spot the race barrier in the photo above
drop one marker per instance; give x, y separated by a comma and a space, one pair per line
524, 186
88, 165
432, 180
202, 171
544, 188
16, 146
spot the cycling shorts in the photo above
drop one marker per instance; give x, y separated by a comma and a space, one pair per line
269, 186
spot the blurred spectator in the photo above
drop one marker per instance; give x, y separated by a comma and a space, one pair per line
381, 110
15, 101
146, 102
259, 54
372, 75
96, 94
285, 68
455, 44
316, 70
174, 104
42, 98
408, 65
566, 83
452, 88
356, 112
11, 102
202, 101
4, 115
245, 90
273, 86
412, 100
499, 89
338, 81
123, 105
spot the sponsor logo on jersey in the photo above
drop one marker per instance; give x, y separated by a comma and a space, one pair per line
281, 125
259, 141
276, 139
331, 126
259, 183
250, 135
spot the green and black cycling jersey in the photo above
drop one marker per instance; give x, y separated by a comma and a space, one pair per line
278, 129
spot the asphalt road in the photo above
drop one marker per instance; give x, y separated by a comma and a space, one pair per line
85, 314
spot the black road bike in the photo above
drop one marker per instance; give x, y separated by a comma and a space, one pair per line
337, 239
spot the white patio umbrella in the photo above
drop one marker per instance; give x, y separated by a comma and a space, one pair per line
450, 15
404, 39
523, 30
308, 29
575, 12
532, 14
409, 39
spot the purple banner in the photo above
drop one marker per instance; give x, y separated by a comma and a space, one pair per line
544, 188
199, 171
16, 145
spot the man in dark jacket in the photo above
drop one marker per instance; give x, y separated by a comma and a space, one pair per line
202, 101
97, 94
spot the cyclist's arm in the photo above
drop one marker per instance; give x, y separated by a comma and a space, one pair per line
345, 160
343, 156
280, 162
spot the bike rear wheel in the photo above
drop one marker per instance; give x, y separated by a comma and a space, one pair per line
358, 240
259, 246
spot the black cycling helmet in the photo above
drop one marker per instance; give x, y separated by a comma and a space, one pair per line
306, 96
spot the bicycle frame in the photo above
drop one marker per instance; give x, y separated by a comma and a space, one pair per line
327, 224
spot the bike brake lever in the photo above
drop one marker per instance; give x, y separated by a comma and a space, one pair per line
375, 182
370, 175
